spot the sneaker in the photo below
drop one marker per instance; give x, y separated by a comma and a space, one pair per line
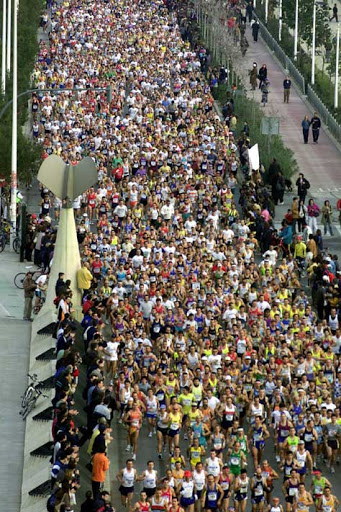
332, 469
133, 456
186, 437
160, 455
128, 448
278, 458
120, 420
150, 434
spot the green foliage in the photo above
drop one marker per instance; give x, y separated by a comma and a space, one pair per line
269, 146
28, 152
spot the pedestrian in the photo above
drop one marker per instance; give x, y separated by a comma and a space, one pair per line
305, 129
286, 87
313, 213
262, 75
315, 125
302, 212
84, 278
29, 288
278, 187
295, 213
253, 76
265, 91
335, 14
327, 217
100, 466
249, 10
255, 29
302, 185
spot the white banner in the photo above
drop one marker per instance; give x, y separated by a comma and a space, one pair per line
254, 158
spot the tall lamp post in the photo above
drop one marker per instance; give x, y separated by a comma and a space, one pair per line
336, 89
313, 47
14, 174
280, 21
3, 56
296, 31
9, 30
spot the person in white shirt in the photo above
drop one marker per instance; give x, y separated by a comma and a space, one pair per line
271, 253
121, 210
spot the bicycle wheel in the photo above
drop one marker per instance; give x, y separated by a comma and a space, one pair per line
30, 406
16, 245
27, 396
2, 243
19, 280
36, 274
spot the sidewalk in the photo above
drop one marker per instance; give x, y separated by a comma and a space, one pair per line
320, 163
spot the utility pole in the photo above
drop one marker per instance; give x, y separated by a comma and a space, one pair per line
336, 89
9, 35
296, 31
14, 161
280, 21
3, 55
313, 47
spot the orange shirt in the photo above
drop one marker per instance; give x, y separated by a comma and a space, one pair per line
100, 465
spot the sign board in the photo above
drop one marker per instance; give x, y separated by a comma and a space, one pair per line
270, 126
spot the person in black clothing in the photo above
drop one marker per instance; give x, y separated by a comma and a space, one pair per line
335, 14
88, 504
262, 75
249, 10
255, 30
102, 503
302, 185
315, 126
286, 87
278, 188
60, 283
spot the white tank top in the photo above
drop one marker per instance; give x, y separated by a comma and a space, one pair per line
149, 481
213, 466
151, 405
128, 478
187, 489
301, 458
199, 480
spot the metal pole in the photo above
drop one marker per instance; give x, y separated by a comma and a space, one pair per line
280, 21
3, 56
14, 174
296, 31
336, 89
266, 11
9, 35
313, 47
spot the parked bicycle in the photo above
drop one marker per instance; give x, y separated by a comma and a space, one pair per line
5, 235
31, 395
19, 278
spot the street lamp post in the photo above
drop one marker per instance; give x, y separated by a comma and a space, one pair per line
336, 89
9, 30
3, 55
296, 31
266, 11
280, 21
313, 47
14, 174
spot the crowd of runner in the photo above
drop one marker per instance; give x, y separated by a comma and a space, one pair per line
194, 329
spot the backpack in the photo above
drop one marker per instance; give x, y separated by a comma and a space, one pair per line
51, 502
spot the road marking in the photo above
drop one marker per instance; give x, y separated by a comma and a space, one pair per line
6, 311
